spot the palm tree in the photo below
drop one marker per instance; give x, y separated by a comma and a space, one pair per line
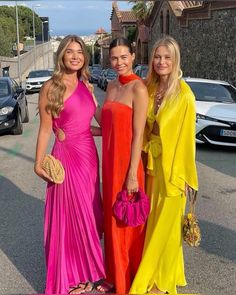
142, 9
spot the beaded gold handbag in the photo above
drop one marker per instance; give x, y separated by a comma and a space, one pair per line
53, 168
191, 229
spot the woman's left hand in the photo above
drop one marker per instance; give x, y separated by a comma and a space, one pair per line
188, 190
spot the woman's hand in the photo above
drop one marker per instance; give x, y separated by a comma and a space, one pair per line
96, 131
42, 173
188, 190
131, 183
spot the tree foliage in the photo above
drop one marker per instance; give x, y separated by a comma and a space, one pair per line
131, 34
8, 26
142, 9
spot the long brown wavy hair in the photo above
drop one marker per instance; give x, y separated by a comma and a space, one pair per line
153, 78
57, 87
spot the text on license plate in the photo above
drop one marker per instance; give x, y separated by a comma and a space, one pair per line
230, 133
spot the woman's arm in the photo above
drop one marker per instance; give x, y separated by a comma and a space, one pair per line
45, 130
140, 105
97, 114
96, 131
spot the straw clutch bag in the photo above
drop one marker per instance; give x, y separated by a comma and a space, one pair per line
191, 229
53, 168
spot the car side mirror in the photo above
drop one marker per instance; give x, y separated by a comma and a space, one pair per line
19, 90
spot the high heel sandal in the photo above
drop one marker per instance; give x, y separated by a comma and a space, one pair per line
104, 287
82, 287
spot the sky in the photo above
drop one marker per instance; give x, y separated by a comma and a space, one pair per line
81, 17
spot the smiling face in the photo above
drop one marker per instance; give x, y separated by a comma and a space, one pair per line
162, 61
73, 58
122, 60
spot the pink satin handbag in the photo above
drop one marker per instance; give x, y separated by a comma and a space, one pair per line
132, 211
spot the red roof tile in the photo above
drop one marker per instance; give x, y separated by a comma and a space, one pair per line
127, 16
100, 31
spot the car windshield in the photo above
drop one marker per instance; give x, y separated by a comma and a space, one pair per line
4, 88
212, 92
37, 74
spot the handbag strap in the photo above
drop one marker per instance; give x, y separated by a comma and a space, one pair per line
192, 196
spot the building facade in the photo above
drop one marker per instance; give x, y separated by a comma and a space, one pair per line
121, 21
206, 32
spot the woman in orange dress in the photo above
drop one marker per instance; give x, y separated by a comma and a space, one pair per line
123, 119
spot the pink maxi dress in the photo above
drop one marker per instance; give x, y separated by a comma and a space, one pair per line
73, 210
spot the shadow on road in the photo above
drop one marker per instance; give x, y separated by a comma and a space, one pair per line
218, 158
21, 231
218, 240
16, 153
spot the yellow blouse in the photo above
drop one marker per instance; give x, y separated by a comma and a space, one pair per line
176, 141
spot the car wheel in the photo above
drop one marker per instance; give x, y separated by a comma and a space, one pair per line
19, 125
26, 118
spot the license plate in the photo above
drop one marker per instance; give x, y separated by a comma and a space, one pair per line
229, 133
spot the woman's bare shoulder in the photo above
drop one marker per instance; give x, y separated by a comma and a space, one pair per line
139, 86
46, 85
45, 89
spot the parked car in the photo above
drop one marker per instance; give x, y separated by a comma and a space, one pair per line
13, 106
35, 80
111, 75
96, 66
101, 77
216, 111
95, 73
141, 71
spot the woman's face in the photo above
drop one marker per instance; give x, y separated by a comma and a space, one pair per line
162, 62
122, 60
73, 57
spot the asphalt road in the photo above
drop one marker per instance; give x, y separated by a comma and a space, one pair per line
210, 269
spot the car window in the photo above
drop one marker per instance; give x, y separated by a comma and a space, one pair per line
14, 85
37, 74
212, 92
4, 88
96, 71
144, 72
112, 74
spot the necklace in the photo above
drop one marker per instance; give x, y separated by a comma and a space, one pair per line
158, 98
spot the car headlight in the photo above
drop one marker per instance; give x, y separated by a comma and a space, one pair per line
6, 110
203, 117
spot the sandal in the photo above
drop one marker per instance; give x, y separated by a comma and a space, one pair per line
104, 287
83, 287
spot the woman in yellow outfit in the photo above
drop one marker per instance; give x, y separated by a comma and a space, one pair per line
169, 146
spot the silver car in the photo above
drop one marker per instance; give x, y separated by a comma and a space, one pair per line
35, 80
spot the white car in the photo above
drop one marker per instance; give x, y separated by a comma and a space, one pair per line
36, 79
216, 111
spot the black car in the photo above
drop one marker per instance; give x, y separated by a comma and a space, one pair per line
13, 106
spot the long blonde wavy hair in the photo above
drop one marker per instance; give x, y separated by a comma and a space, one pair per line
153, 78
57, 87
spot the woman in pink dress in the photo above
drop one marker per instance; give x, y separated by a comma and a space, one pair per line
73, 211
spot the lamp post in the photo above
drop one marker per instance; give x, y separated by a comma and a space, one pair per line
49, 47
37, 5
43, 22
18, 45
